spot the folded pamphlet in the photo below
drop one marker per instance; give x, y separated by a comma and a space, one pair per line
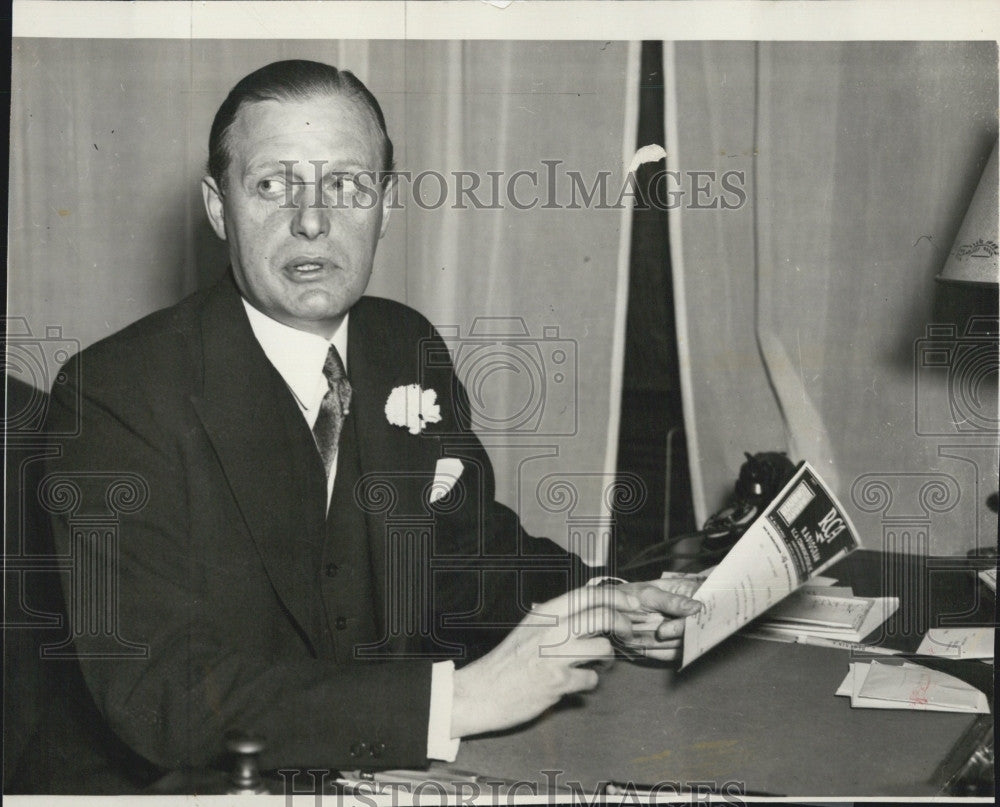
802, 532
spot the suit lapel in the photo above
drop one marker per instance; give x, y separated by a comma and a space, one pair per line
266, 452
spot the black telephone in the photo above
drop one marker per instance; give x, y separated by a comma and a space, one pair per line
760, 479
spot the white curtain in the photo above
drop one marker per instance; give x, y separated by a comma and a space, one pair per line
109, 140
860, 159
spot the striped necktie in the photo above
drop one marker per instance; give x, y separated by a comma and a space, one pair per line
333, 409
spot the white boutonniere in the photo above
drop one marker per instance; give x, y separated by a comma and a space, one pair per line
412, 407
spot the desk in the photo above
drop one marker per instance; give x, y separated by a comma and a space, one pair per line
759, 713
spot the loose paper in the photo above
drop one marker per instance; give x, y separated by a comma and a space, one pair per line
958, 643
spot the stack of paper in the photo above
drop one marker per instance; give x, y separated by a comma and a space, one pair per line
989, 577
827, 612
895, 685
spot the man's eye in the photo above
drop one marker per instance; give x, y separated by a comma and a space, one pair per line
340, 183
271, 188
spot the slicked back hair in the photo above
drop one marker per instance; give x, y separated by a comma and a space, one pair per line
290, 80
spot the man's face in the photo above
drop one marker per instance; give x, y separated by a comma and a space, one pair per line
301, 250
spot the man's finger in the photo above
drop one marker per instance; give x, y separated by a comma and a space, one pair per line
661, 654
581, 680
620, 598
668, 603
649, 640
669, 629
596, 648
686, 586
600, 620
587, 598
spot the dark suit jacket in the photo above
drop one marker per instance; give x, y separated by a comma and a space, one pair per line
216, 524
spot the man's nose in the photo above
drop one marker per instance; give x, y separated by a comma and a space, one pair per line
310, 220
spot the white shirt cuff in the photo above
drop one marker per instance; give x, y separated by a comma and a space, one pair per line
440, 744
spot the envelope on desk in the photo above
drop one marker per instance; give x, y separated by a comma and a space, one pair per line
894, 685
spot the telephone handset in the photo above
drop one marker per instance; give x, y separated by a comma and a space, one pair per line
760, 479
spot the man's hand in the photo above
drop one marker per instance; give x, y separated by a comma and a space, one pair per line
658, 621
541, 660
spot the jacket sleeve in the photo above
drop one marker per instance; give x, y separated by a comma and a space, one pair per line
170, 675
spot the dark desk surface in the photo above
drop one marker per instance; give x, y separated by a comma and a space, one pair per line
759, 713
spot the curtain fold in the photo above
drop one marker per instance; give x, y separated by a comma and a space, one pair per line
860, 160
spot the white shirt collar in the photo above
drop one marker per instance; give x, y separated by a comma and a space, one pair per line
298, 356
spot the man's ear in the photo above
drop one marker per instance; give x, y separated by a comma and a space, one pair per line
388, 200
212, 197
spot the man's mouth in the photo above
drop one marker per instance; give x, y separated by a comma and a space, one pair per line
306, 268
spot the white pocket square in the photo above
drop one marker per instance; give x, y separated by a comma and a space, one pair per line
446, 474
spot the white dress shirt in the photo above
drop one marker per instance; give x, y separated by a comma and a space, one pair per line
298, 357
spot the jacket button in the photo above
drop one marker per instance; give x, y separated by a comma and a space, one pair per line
331, 569
341, 623
358, 749
376, 749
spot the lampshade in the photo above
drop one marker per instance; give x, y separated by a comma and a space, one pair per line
974, 255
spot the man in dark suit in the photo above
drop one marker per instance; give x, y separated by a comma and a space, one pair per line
289, 465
